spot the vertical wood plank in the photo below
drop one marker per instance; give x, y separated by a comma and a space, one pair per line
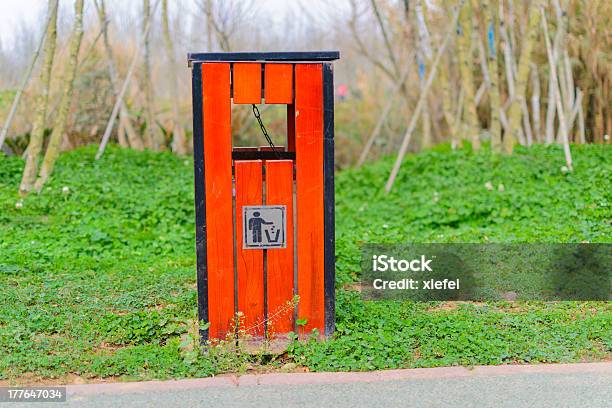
247, 83
278, 83
249, 261
279, 191
309, 185
218, 187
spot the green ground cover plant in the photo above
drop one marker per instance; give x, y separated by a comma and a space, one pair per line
97, 273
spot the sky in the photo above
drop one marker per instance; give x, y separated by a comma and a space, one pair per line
22, 23
14, 13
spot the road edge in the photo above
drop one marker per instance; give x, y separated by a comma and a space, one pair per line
335, 377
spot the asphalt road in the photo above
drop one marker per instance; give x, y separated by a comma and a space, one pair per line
559, 388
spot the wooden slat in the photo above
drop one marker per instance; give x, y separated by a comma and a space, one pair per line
278, 83
309, 185
249, 261
218, 184
279, 191
247, 83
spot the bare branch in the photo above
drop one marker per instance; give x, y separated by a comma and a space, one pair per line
126, 81
24, 83
421, 102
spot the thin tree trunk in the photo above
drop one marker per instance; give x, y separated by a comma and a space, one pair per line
451, 115
421, 102
552, 91
209, 26
526, 123
565, 83
126, 81
535, 103
491, 30
133, 138
482, 89
60, 124
566, 80
179, 144
482, 56
437, 134
152, 135
423, 57
26, 79
569, 76
507, 35
574, 112
38, 126
514, 116
382, 118
447, 109
553, 73
550, 111
508, 57
426, 124
121, 136
581, 125
510, 27
563, 92
388, 46
457, 142
464, 33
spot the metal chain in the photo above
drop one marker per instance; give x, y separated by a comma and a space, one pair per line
263, 129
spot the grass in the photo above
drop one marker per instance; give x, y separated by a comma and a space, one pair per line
97, 273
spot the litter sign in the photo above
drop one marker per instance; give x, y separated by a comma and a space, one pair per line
264, 227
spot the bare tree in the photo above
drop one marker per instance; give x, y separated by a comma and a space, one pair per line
516, 112
38, 126
121, 93
66, 100
381, 119
133, 138
421, 102
489, 14
447, 107
387, 41
535, 102
553, 74
224, 18
179, 144
423, 59
26, 78
464, 48
153, 136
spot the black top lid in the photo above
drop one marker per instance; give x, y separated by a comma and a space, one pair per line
300, 56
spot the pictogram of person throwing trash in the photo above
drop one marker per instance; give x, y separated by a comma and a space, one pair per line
255, 224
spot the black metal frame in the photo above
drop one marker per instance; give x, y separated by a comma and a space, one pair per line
329, 200
262, 155
200, 196
300, 56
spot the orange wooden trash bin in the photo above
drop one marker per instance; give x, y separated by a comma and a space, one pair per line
264, 216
